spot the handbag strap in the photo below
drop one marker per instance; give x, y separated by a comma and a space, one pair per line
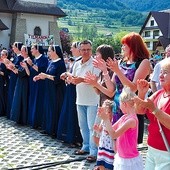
163, 136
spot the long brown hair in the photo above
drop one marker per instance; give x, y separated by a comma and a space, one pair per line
138, 49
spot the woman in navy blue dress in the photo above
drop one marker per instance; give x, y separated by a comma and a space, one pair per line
54, 89
68, 128
13, 63
19, 109
3, 83
36, 89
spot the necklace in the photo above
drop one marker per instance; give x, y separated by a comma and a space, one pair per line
166, 95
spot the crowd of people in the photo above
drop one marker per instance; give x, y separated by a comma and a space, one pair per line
97, 105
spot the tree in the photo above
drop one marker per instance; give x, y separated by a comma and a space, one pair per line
93, 32
104, 40
117, 40
66, 40
129, 20
78, 30
108, 22
85, 32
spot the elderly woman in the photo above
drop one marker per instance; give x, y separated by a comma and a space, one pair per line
157, 108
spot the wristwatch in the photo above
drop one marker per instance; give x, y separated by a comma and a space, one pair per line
155, 111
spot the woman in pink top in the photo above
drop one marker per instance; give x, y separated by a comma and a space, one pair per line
125, 131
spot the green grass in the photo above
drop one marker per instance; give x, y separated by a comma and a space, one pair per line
80, 17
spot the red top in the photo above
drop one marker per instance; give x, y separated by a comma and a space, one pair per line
154, 137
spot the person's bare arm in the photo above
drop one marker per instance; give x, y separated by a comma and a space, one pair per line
153, 86
130, 123
139, 74
92, 80
162, 116
76, 80
108, 92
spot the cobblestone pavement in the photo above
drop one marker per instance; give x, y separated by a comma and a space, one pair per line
22, 147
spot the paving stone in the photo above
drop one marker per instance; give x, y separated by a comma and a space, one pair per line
22, 146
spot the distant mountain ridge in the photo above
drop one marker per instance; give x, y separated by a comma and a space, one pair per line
103, 4
137, 5
107, 16
111, 11
147, 5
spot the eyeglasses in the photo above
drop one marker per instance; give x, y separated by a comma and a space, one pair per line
84, 50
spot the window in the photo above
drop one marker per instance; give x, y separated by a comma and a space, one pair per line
155, 45
156, 33
37, 31
148, 44
152, 22
147, 33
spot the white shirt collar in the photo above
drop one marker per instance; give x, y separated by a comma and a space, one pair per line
56, 60
87, 62
77, 58
18, 54
25, 59
38, 57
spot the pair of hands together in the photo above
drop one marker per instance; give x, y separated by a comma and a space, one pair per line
143, 87
69, 78
103, 65
40, 76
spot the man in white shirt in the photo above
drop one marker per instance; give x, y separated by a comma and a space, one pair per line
155, 83
87, 100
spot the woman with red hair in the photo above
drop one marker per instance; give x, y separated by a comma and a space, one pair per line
135, 65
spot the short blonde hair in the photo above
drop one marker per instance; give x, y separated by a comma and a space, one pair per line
167, 48
126, 94
165, 63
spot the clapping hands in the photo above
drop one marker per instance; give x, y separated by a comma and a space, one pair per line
23, 64
142, 86
111, 64
90, 79
100, 64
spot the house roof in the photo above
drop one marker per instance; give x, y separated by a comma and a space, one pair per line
163, 41
163, 21
3, 26
12, 6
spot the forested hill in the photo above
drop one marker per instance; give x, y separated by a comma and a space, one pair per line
105, 9
103, 4
147, 5
108, 16
138, 5
96, 19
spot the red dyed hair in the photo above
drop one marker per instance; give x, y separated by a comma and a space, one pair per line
138, 49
